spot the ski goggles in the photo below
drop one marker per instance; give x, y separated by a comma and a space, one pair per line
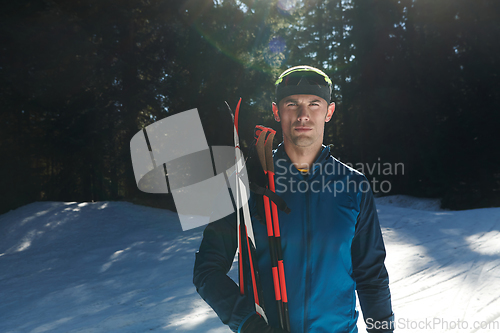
303, 80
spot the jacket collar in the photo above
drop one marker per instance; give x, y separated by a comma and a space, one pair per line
280, 153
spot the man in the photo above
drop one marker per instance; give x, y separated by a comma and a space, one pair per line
332, 243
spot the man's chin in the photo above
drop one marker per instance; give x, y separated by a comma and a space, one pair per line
303, 142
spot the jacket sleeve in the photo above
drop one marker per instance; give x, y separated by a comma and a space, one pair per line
372, 279
213, 261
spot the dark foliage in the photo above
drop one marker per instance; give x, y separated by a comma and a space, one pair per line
416, 84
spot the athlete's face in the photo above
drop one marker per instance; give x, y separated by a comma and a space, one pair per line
303, 119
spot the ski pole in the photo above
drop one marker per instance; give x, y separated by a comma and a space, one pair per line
263, 135
277, 234
264, 150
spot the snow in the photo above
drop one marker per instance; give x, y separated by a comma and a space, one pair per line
118, 267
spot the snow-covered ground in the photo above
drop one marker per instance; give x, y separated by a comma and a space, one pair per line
119, 267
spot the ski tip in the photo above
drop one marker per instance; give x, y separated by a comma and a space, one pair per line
236, 113
228, 107
230, 111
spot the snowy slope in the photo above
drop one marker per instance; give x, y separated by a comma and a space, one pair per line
444, 266
119, 267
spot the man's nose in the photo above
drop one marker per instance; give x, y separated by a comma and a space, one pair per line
303, 114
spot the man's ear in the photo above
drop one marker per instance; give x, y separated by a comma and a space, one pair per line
330, 111
276, 113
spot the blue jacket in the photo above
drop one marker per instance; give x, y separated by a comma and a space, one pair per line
332, 246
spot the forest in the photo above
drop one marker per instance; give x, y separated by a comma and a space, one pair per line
416, 87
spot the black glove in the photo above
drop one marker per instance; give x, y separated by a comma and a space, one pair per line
256, 324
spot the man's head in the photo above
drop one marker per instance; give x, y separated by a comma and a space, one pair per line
304, 80
303, 95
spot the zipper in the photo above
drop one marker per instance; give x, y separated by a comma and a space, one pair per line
308, 263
